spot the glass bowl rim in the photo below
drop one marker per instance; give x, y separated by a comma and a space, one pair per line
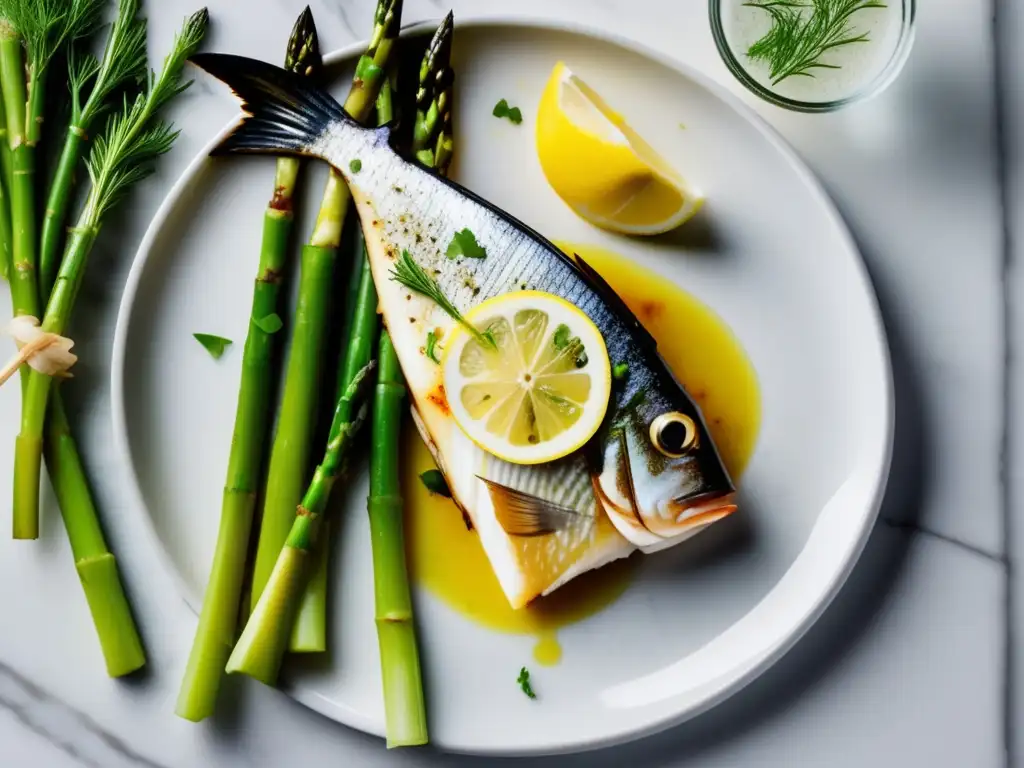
873, 87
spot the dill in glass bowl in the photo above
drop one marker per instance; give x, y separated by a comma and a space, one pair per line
813, 55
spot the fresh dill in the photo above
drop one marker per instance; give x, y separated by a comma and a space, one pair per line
415, 278
123, 153
123, 63
797, 40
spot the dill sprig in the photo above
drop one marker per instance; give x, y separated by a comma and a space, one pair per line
123, 62
123, 153
46, 26
415, 278
797, 40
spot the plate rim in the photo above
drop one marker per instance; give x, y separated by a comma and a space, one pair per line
881, 463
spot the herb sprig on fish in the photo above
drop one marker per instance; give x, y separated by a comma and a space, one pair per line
415, 278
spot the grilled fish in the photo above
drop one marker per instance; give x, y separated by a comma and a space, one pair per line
651, 476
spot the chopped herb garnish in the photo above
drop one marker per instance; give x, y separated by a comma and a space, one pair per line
561, 341
561, 337
269, 324
432, 347
619, 371
524, 683
464, 244
502, 109
414, 277
215, 345
356, 165
434, 482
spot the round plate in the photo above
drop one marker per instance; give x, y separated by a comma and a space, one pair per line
768, 253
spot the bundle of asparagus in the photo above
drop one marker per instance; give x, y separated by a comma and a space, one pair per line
34, 33
289, 594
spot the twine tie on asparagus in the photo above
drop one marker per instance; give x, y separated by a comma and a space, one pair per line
48, 353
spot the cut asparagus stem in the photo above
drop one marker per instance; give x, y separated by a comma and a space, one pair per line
96, 566
292, 446
264, 640
215, 634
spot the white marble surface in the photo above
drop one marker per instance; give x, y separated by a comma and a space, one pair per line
910, 667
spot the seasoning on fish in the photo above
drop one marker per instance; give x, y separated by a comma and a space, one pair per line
630, 487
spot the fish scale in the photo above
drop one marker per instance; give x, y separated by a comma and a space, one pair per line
628, 488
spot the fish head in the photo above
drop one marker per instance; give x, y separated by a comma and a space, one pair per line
660, 476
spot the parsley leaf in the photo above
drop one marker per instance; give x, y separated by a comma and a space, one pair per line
619, 371
502, 109
561, 337
270, 324
215, 345
356, 165
464, 244
434, 482
524, 683
432, 347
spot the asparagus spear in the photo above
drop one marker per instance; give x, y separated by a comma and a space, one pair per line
121, 156
290, 455
404, 709
310, 631
264, 640
123, 62
217, 622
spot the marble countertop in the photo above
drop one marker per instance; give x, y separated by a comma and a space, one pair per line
913, 665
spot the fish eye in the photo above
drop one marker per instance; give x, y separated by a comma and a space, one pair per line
674, 434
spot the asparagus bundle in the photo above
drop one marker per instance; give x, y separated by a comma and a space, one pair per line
290, 455
217, 622
122, 155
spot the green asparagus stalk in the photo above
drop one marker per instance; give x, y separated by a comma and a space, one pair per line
291, 451
215, 634
264, 640
24, 290
123, 62
97, 568
404, 708
121, 156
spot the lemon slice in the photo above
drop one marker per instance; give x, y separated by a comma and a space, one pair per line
541, 391
601, 167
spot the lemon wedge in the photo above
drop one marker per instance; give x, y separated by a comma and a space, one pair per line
541, 390
602, 168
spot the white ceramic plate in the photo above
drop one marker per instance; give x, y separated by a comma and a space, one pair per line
769, 254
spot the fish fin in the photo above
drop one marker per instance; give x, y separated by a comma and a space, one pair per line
615, 301
286, 112
523, 514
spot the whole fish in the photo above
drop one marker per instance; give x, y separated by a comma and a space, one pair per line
649, 478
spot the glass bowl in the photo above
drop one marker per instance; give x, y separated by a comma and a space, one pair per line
843, 75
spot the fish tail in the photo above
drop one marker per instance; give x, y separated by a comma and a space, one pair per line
286, 113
